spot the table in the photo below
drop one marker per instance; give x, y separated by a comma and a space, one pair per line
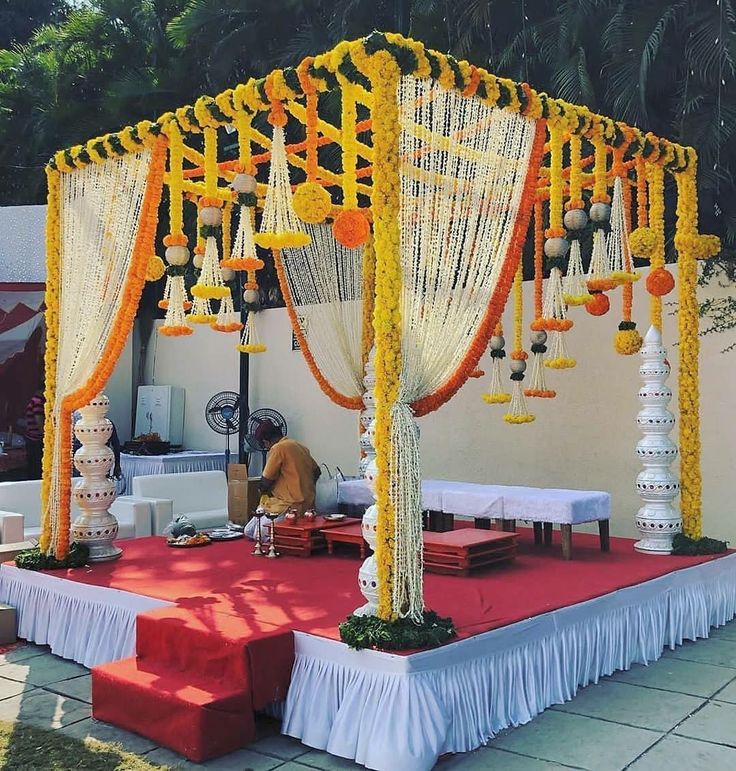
301, 537
352, 534
173, 463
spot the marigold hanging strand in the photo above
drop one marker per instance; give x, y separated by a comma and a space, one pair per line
574, 289
280, 227
538, 385
175, 299
496, 393
627, 340
518, 412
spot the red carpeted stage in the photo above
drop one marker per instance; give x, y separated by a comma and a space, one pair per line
223, 641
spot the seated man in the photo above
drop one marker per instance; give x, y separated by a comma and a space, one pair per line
288, 479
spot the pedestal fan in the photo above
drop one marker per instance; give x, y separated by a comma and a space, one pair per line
250, 443
223, 417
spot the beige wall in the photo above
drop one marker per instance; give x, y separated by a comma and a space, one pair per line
584, 438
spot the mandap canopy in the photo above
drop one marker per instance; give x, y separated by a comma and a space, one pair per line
393, 187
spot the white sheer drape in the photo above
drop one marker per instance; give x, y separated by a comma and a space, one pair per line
326, 286
463, 170
99, 218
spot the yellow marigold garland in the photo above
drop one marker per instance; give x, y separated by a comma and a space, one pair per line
384, 75
687, 241
655, 176
53, 246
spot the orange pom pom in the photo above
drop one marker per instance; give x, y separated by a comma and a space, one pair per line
599, 305
660, 282
351, 228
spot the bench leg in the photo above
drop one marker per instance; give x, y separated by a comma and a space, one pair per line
548, 534
509, 525
566, 531
603, 532
482, 523
537, 533
448, 522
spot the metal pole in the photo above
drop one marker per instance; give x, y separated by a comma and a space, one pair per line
244, 381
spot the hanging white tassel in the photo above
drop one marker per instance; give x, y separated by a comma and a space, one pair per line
280, 227
164, 301
619, 256
518, 411
249, 341
599, 273
243, 255
210, 284
227, 318
574, 288
558, 357
496, 392
538, 382
175, 322
554, 306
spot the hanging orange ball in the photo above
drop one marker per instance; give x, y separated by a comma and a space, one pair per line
598, 305
351, 228
660, 282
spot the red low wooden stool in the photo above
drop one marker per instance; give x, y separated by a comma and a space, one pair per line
302, 537
459, 551
352, 534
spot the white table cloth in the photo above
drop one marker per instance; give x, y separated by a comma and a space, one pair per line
498, 501
173, 463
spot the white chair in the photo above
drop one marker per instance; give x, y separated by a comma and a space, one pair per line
20, 513
199, 495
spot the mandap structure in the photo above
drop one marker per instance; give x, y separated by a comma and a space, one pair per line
395, 189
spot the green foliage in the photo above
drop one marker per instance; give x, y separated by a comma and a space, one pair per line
371, 632
35, 559
683, 546
668, 66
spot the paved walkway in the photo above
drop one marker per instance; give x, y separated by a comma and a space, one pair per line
678, 714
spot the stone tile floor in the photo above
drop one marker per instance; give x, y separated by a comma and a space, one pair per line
678, 714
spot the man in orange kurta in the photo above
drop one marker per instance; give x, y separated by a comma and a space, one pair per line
289, 477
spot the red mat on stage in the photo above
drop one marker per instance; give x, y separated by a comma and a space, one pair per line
315, 594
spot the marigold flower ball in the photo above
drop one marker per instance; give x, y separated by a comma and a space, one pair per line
643, 242
312, 203
627, 342
155, 268
660, 282
351, 228
598, 305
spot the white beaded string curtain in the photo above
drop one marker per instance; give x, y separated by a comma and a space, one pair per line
465, 171
106, 225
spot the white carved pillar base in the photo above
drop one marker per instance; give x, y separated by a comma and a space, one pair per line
658, 520
95, 527
368, 573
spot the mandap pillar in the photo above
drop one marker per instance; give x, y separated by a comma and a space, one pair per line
95, 527
658, 519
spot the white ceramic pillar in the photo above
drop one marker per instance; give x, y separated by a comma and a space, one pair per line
95, 527
658, 519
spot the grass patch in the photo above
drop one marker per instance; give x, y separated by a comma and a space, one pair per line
24, 747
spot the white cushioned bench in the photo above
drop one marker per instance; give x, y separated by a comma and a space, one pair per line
544, 507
